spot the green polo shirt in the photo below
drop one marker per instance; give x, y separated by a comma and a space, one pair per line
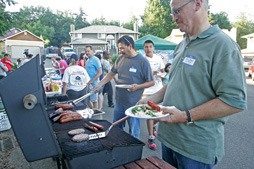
204, 68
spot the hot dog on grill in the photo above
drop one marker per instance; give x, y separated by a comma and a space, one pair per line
92, 128
70, 117
61, 114
65, 106
57, 113
98, 126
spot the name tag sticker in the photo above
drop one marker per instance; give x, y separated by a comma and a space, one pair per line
133, 70
189, 60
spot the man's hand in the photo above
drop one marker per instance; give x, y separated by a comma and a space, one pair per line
133, 88
97, 88
175, 115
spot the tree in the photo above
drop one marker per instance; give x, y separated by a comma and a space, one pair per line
80, 20
157, 19
7, 2
116, 23
5, 17
130, 24
244, 26
43, 31
99, 21
103, 21
221, 19
43, 22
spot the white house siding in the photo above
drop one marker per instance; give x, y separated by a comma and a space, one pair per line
16, 48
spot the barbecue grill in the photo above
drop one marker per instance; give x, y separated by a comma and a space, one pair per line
28, 109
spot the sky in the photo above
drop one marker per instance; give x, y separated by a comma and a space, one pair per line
122, 10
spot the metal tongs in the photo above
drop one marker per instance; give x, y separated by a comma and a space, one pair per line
105, 133
76, 101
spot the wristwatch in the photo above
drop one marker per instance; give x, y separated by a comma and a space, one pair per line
189, 121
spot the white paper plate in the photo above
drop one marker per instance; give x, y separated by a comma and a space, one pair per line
123, 86
143, 116
86, 113
161, 74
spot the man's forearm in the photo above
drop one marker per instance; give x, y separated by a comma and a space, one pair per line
212, 109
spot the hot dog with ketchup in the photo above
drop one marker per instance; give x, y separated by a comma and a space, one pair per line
154, 106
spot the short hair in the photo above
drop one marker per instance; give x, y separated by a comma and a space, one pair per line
89, 46
30, 56
58, 58
98, 55
148, 41
6, 54
105, 52
127, 40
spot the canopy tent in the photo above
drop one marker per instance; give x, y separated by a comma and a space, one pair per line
159, 43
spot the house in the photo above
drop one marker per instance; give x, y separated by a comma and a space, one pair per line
176, 35
16, 41
101, 37
249, 51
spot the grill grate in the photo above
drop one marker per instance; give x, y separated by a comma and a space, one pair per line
115, 138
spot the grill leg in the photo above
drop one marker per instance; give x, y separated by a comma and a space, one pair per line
60, 163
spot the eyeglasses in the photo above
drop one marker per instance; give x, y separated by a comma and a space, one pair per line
176, 11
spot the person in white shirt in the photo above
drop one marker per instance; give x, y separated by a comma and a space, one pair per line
28, 58
108, 86
3, 70
157, 66
75, 80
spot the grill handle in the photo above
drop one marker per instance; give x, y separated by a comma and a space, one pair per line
120, 120
116, 123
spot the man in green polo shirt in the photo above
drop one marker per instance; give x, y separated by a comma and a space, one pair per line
201, 92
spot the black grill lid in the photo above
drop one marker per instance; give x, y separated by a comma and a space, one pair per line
31, 127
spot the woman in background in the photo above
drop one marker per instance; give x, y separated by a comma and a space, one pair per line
166, 77
82, 60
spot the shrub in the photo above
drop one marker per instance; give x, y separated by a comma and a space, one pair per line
113, 58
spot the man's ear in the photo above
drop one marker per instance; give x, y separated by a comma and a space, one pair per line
198, 4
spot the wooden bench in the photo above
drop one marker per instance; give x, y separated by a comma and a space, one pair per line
147, 163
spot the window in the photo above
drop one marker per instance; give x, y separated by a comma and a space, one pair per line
101, 36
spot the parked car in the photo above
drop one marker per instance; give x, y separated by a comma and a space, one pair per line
51, 52
246, 62
251, 69
67, 51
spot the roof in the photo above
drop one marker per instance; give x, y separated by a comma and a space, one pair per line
176, 32
176, 36
88, 41
103, 29
14, 32
247, 51
159, 43
248, 36
10, 33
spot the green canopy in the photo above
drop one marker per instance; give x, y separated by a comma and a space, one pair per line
159, 43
